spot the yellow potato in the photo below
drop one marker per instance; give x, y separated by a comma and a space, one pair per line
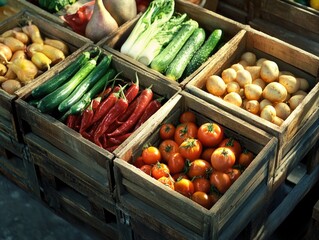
304, 85
275, 92
229, 75
263, 103
243, 77
260, 61
291, 83
242, 93
252, 106
261, 83
215, 85
237, 67
233, 98
282, 110
254, 71
269, 71
300, 92
253, 91
249, 57
278, 121
295, 100
285, 73
243, 63
233, 87
268, 113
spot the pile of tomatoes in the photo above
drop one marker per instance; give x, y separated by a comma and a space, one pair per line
198, 161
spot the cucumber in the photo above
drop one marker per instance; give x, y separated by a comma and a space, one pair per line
204, 52
177, 66
52, 100
167, 55
86, 84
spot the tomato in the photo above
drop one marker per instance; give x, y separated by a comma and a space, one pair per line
233, 144
245, 158
215, 196
222, 159
147, 169
201, 184
187, 116
167, 181
207, 153
191, 149
202, 199
176, 163
151, 155
159, 170
185, 187
199, 168
138, 162
233, 174
167, 131
179, 176
221, 181
168, 147
210, 134
184, 131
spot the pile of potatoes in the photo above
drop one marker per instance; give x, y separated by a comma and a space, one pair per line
258, 86
25, 54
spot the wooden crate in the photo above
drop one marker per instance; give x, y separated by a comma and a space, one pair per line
236, 10
206, 19
288, 58
205, 223
8, 119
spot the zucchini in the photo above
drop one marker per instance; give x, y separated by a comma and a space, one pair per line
177, 66
52, 100
204, 52
167, 55
86, 84
86, 99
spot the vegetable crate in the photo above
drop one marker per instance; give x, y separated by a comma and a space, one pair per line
8, 119
202, 223
206, 19
288, 58
237, 10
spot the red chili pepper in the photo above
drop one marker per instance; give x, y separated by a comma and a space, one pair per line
128, 112
111, 149
119, 139
132, 91
152, 107
105, 93
96, 102
78, 123
87, 117
71, 120
143, 100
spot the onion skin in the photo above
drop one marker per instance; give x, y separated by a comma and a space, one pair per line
5, 53
25, 70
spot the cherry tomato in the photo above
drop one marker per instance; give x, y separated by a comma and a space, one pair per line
220, 180
233, 174
185, 187
151, 155
207, 153
187, 116
222, 159
159, 170
138, 162
168, 147
202, 199
245, 158
176, 163
210, 134
184, 131
201, 184
191, 149
179, 176
232, 144
167, 131
167, 181
147, 169
199, 168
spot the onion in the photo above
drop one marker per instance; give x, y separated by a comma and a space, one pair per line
5, 53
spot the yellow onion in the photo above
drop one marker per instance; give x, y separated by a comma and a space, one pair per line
13, 43
33, 32
11, 85
41, 61
5, 53
57, 44
25, 69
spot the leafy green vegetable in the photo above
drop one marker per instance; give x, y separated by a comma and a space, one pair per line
55, 5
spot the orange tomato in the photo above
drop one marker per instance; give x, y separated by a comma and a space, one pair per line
184, 131
191, 149
167, 131
167, 181
203, 199
201, 184
210, 134
207, 153
233, 144
176, 163
159, 170
221, 181
187, 116
151, 155
199, 168
245, 158
223, 159
185, 187
167, 148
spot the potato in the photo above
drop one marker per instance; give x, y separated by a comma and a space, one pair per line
249, 57
252, 106
300, 92
294, 101
254, 71
233, 87
269, 71
229, 75
304, 85
215, 85
282, 110
253, 91
268, 113
291, 83
263, 103
243, 63
278, 121
260, 61
243, 77
11, 85
233, 98
237, 67
242, 93
275, 92
261, 83
285, 73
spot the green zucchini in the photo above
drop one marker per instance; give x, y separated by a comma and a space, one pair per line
86, 99
167, 55
52, 100
86, 84
177, 66
204, 52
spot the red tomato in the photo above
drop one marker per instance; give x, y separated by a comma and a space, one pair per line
220, 180
222, 159
147, 169
191, 149
167, 181
159, 170
179, 176
151, 155
215, 196
233, 144
233, 174
187, 116
199, 168
168, 147
210, 134
184, 131
202, 199
245, 158
138, 162
176, 163
207, 153
185, 187
167, 131
201, 184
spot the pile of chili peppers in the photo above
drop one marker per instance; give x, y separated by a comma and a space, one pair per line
115, 114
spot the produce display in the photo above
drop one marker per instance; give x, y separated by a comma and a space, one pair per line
258, 86
25, 54
198, 161
309, 3
169, 42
